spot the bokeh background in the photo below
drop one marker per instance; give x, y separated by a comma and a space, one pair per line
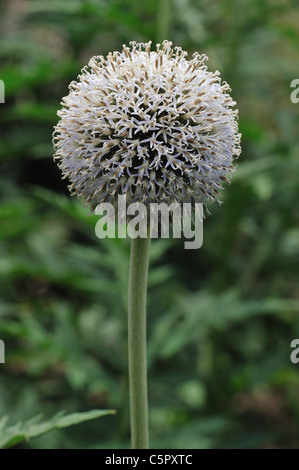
221, 319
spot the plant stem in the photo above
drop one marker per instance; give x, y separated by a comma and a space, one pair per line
163, 18
137, 341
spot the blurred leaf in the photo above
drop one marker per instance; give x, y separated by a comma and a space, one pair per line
12, 435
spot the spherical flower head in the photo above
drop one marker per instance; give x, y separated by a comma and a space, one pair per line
150, 125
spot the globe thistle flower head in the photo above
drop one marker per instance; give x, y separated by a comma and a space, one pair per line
148, 124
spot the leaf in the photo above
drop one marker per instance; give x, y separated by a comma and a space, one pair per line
254, 167
12, 435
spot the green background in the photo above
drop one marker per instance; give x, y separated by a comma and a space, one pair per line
221, 318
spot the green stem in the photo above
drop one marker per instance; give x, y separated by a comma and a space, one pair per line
137, 341
163, 18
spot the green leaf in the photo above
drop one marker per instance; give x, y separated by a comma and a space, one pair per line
12, 435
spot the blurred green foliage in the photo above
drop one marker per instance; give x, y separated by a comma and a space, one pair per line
10, 436
221, 319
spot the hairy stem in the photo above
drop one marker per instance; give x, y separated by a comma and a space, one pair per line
137, 341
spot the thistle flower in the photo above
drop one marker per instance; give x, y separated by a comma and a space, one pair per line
150, 125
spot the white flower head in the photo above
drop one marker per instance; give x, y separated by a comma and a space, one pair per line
150, 125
